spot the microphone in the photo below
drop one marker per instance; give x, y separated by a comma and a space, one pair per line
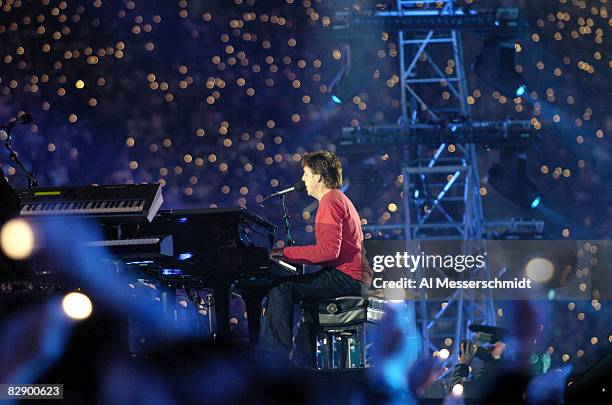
5, 129
22, 119
298, 186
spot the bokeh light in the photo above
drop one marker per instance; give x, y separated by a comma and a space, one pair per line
539, 269
457, 390
77, 305
17, 239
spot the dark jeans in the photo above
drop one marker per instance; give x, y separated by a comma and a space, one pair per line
276, 337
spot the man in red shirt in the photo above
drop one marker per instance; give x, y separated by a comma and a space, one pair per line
338, 249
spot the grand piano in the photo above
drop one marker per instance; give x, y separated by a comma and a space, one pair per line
196, 248
209, 248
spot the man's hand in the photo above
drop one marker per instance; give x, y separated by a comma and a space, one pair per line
276, 252
468, 350
498, 349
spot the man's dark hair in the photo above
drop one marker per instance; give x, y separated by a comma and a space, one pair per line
327, 165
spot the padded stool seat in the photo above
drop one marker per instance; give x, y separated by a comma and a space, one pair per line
339, 329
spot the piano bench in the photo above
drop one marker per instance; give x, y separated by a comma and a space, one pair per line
339, 330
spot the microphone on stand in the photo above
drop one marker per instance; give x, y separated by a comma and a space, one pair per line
6, 128
299, 186
5, 136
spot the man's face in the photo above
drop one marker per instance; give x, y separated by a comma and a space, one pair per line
310, 179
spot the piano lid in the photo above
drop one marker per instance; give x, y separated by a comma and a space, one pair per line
183, 215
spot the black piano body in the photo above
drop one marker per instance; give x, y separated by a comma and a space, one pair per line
211, 248
205, 243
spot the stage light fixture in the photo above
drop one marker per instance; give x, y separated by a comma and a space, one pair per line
335, 87
346, 87
495, 66
350, 80
509, 177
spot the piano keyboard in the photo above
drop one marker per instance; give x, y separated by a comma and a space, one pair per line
123, 242
136, 247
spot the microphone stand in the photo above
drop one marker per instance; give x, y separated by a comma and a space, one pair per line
290, 241
32, 181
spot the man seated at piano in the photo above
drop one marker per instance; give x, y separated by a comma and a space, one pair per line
338, 250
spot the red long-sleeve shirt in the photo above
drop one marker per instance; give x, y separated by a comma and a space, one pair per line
339, 239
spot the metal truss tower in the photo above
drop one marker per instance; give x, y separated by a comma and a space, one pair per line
441, 187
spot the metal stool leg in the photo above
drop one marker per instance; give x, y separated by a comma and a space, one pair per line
323, 351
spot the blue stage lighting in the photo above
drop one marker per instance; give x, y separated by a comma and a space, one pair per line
335, 99
521, 90
536, 201
185, 256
